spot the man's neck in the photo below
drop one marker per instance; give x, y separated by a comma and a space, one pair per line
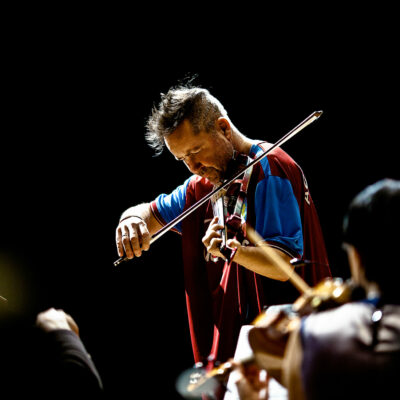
241, 143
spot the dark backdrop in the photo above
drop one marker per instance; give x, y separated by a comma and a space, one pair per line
74, 157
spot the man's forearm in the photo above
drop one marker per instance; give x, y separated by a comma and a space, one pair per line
255, 260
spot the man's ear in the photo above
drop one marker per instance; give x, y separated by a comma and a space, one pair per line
224, 126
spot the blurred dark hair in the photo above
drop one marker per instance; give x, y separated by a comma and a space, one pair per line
372, 226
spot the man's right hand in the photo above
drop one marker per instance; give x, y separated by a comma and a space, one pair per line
132, 237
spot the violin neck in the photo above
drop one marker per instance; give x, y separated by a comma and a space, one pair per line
219, 211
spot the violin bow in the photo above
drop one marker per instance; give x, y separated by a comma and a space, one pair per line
279, 262
310, 119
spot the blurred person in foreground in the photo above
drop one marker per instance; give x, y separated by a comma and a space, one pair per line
351, 351
45, 358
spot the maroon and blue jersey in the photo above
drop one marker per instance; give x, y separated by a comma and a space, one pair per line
222, 297
277, 213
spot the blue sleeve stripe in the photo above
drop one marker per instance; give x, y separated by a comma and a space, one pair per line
172, 205
277, 213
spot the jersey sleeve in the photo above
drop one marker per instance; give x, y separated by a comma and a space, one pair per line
166, 207
278, 218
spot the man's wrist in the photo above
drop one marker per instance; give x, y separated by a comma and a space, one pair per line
131, 216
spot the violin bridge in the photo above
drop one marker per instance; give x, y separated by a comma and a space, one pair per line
218, 195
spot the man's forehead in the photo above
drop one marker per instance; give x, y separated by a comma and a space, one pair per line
183, 139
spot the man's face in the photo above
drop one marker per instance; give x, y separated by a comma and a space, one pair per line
205, 154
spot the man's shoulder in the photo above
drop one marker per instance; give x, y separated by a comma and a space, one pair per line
336, 317
276, 163
347, 323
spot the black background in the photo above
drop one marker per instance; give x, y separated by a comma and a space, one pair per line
76, 94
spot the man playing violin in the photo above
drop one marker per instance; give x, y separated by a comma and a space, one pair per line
223, 295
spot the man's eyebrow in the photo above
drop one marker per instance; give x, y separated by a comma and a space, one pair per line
189, 152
